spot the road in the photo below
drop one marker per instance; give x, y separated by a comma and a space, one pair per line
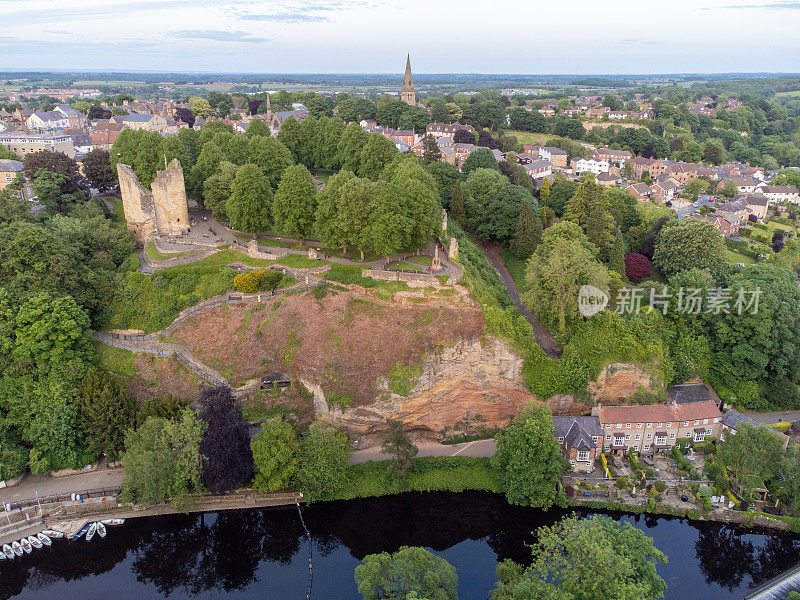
775, 417
102, 478
478, 448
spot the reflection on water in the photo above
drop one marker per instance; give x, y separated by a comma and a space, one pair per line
262, 553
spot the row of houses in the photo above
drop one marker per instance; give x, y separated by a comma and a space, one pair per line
692, 412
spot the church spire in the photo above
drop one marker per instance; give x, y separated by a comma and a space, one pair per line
407, 93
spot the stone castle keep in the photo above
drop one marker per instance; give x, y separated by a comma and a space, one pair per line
163, 211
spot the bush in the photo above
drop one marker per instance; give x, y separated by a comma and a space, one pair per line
403, 378
660, 486
621, 483
693, 514
258, 280
637, 267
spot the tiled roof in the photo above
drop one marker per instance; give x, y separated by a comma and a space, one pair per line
659, 412
690, 392
8, 165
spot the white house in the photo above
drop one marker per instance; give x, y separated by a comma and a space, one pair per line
779, 193
47, 119
591, 164
539, 169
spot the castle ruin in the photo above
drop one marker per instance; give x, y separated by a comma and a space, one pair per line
163, 211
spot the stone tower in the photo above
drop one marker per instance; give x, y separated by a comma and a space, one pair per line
160, 212
407, 94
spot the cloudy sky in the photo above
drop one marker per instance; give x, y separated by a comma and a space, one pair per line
373, 36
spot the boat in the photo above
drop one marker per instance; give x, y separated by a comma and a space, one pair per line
101, 529
108, 522
9, 553
34, 542
17, 548
91, 531
53, 534
44, 539
81, 532
2, 556
26, 545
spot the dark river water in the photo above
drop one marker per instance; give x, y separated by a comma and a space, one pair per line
264, 553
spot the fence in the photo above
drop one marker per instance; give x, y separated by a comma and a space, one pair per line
19, 506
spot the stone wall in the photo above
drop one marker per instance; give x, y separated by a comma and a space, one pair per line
163, 211
426, 278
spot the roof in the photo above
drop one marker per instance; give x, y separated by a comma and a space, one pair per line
8, 165
640, 188
778, 189
686, 393
137, 117
577, 431
659, 413
733, 418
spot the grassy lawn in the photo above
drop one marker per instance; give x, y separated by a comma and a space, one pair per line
735, 257
156, 255
527, 137
425, 261
516, 268
299, 261
220, 259
404, 266
116, 360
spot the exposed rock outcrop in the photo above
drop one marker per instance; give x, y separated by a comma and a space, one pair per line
619, 381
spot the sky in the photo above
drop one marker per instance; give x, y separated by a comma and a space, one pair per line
373, 36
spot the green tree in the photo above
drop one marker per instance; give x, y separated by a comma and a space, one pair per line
431, 152
271, 155
217, 189
330, 228
53, 190
589, 209
376, 154
97, 168
350, 146
482, 188
409, 570
324, 455
695, 187
529, 459
356, 199
564, 261
544, 191
690, 243
250, 205
753, 454
200, 107
559, 195
398, 444
528, 233
57, 439
503, 213
480, 158
714, 152
107, 412
789, 481
597, 558
294, 206
457, 210
514, 583
445, 175
257, 127
162, 460
275, 454
616, 255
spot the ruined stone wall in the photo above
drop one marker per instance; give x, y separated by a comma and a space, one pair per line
424, 278
169, 198
137, 204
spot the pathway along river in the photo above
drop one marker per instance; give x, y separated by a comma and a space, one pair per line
263, 554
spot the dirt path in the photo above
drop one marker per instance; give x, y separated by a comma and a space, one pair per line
544, 339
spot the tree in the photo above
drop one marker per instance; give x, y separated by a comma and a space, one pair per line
457, 204
409, 570
637, 267
275, 455
186, 115
54, 162
789, 480
564, 261
687, 244
431, 152
107, 412
528, 233
463, 136
53, 191
595, 559
397, 443
250, 206
544, 191
376, 154
616, 255
162, 460
714, 152
559, 195
217, 189
589, 209
502, 213
200, 107
330, 228
324, 455
57, 440
482, 187
294, 206
445, 176
529, 459
695, 187
480, 158
271, 155
97, 168
753, 454
729, 190
227, 461
97, 112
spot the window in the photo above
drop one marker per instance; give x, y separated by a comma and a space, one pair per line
669, 424
638, 426
638, 437
608, 426
697, 422
583, 455
560, 440
716, 419
627, 425
686, 423
672, 436
595, 439
661, 440
619, 440
659, 424
608, 437
705, 421
647, 446
619, 425
708, 432
699, 436
649, 436
649, 425
627, 436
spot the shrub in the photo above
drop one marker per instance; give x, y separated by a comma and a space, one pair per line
403, 378
693, 514
783, 426
246, 282
660, 486
621, 483
637, 267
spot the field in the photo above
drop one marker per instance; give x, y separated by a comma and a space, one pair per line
735, 257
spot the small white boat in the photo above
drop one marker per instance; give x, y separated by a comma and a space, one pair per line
34, 542
44, 539
9, 553
51, 533
108, 522
91, 531
101, 529
17, 548
2, 556
26, 545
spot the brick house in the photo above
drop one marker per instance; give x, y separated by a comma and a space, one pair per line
640, 190
727, 226
580, 440
658, 426
539, 169
613, 156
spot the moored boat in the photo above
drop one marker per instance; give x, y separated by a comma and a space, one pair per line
101, 529
26, 545
91, 531
44, 538
8, 551
52, 534
108, 522
34, 542
83, 530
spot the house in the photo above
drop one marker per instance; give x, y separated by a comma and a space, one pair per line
539, 169
591, 164
105, 133
81, 141
757, 204
9, 171
572, 110
735, 212
28, 143
607, 179
613, 156
744, 185
682, 172
728, 226
779, 193
407, 137
439, 130
640, 190
47, 119
75, 118
656, 427
663, 189
733, 420
143, 121
580, 440
547, 111
556, 156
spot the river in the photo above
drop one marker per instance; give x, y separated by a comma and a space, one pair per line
263, 554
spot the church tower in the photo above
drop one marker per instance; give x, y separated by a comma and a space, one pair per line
407, 94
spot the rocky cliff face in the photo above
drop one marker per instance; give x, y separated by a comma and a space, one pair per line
464, 386
619, 381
